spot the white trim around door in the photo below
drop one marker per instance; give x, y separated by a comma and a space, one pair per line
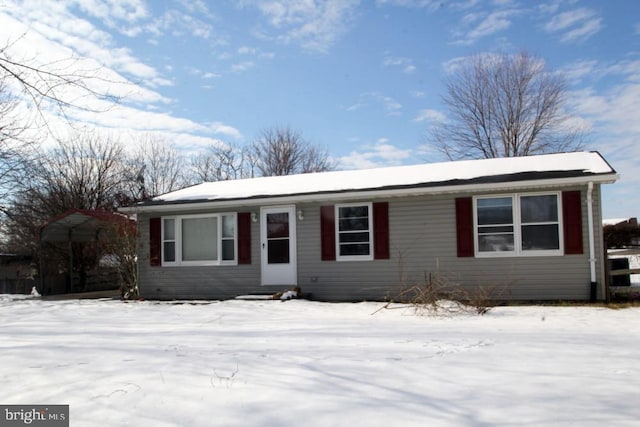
278, 245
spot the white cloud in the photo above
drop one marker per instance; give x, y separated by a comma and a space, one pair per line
613, 115
203, 74
575, 25
255, 52
55, 37
124, 10
406, 64
198, 7
391, 106
242, 66
380, 154
178, 23
58, 35
222, 129
429, 115
246, 50
356, 106
314, 25
496, 21
565, 20
429, 4
579, 69
475, 25
454, 64
583, 32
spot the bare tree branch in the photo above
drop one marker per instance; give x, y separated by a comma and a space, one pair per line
63, 83
157, 168
283, 151
221, 163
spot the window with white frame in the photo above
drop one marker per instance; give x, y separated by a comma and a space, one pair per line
168, 240
354, 234
208, 239
518, 225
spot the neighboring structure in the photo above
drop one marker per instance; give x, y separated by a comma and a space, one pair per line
530, 227
621, 232
16, 274
622, 237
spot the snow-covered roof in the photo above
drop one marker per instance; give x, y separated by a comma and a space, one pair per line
557, 167
615, 221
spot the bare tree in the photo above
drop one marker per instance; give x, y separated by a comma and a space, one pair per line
220, 163
83, 172
157, 167
505, 106
15, 150
283, 151
29, 89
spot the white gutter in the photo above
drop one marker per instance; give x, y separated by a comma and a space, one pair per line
592, 249
363, 193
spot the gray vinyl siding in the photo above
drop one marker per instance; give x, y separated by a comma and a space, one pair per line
422, 231
207, 282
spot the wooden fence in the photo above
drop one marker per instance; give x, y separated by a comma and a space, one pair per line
619, 274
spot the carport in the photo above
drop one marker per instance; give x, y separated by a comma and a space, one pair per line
76, 226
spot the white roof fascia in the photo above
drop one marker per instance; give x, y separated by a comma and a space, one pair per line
372, 194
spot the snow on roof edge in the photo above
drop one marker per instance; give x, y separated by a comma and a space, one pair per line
427, 174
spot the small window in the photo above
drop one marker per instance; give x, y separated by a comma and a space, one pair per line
354, 232
228, 237
169, 240
495, 225
199, 240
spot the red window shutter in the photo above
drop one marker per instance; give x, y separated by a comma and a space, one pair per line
464, 226
155, 242
244, 238
381, 230
328, 233
572, 222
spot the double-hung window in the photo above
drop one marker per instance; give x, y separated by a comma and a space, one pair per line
495, 224
208, 239
539, 223
354, 233
518, 225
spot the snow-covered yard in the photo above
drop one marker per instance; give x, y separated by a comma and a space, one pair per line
267, 363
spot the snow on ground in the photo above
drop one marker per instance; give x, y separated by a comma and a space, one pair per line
268, 363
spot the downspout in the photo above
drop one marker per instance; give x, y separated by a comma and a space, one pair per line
592, 248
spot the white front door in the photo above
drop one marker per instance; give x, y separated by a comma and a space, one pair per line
278, 245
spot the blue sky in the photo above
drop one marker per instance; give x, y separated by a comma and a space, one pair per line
363, 78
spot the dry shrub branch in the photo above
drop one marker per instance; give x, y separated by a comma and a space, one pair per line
438, 295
